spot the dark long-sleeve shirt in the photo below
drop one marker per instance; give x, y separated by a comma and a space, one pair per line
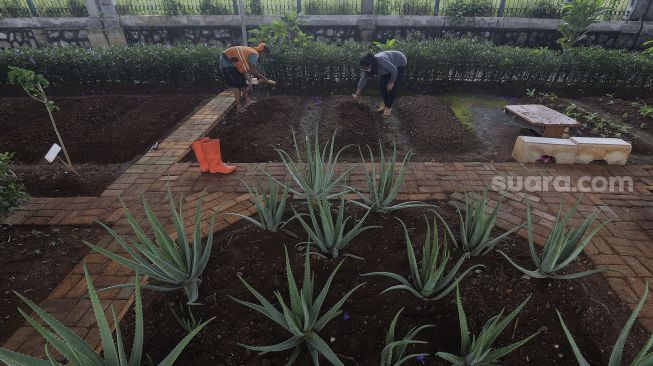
387, 63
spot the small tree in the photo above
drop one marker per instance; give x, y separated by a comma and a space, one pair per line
12, 191
34, 85
577, 15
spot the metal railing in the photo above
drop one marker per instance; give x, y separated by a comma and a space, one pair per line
42, 8
452, 8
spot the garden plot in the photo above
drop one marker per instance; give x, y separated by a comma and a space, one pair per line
423, 124
592, 312
33, 261
102, 134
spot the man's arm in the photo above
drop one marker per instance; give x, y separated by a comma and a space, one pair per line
254, 72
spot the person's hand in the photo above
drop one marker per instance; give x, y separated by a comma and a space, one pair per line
355, 96
390, 86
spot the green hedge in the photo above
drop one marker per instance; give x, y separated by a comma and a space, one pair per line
326, 65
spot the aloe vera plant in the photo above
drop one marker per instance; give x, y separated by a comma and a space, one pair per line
301, 316
315, 174
383, 189
643, 358
561, 247
76, 351
393, 352
270, 206
479, 350
477, 224
328, 235
175, 264
430, 279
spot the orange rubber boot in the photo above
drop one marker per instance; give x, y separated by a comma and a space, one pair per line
212, 153
199, 154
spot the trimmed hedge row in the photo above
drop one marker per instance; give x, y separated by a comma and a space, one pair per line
325, 65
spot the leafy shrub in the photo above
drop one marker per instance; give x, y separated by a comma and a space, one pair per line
562, 246
416, 7
209, 7
577, 16
382, 7
393, 352
430, 278
13, 8
75, 350
303, 318
12, 192
176, 264
255, 7
544, 9
469, 8
479, 350
387, 45
336, 65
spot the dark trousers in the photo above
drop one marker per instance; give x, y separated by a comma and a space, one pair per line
389, 96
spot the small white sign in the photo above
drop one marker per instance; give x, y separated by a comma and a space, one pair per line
53, 152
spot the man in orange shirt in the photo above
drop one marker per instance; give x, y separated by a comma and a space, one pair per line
238, 65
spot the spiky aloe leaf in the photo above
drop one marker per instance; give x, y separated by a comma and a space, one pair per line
393, 351
176, 264
430, 279
303, 317
562, 246
77, 351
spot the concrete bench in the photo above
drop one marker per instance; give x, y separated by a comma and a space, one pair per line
613, 151
528, 149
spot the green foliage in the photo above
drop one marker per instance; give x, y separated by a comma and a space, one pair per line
530, 92
176, 264
270, 206
430, 279
315, 174
328, 235
387, 46
562, 245
382, 7
284, 32
12, 191
321, 7
469, 8
384, 187
416, 7
577, 16
13, 8
479, 350
76, 351
447, 60
304, 318
185, 317
643, 358
255, 7
393, 352
544, 9
477, 224
209, 7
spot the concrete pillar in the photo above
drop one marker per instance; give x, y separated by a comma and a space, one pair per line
40, 37
367, 25
104, 24
640, 10
367, 7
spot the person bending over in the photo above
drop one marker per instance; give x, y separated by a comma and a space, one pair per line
238, 65
390, 66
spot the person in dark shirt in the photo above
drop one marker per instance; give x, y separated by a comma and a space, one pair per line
390, 66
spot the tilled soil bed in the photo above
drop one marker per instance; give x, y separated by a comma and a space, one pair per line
100, 133
592, 311
33, 261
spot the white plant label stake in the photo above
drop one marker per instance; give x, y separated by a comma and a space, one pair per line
52, 153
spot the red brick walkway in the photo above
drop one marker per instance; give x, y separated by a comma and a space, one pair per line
626, 244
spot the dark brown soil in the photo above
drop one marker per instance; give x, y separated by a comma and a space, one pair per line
33, 261
432, 127
622, 108
355, 124
100, 133
54, 180
252, 136
592, 311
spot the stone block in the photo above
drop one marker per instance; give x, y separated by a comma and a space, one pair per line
613, 151
528, 149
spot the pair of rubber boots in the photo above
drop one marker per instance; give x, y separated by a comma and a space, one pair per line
207, 152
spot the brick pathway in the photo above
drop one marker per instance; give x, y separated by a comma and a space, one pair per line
625, 244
